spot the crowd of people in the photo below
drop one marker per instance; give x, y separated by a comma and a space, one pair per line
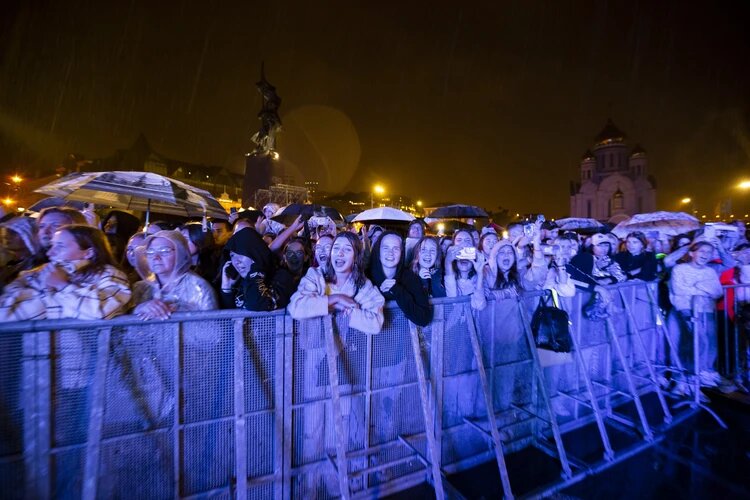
63, 264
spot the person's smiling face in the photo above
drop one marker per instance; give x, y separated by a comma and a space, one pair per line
390, 251
428, 254
342, 256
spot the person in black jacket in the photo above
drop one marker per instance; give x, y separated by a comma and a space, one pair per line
398, 282
251, 278
635, 262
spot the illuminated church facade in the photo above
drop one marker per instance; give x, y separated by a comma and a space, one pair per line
614, 182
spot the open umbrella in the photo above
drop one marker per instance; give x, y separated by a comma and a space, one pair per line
574, 223
458, 212
287, 214
144, 191
55, 201
383, 215
666, 223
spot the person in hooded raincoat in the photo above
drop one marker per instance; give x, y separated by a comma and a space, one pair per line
172, 286
251, 279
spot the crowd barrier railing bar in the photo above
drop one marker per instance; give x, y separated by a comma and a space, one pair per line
259, 405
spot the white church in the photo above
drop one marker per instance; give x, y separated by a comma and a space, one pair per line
614, 180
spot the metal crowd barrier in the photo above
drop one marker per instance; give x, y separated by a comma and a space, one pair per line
257, 405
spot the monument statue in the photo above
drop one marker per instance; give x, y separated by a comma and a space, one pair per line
270, 123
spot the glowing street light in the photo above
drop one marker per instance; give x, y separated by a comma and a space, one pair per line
8, 201
744, 185
686, 200
376, 189
17, 179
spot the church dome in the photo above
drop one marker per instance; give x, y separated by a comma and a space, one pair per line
588, 155
609, 134
637, 151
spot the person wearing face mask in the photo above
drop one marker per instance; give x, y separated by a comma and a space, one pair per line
426, 263
397, 282
635, 261
693, 288
172, 286
251, 278
296, 259
80, 281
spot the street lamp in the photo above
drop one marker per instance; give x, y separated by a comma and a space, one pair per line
685, 201
744, 185
376, 189
16, 179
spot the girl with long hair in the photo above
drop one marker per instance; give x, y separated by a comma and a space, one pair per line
341, 287
427, 264
81, 281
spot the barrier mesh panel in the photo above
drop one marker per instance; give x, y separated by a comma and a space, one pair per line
11, 414
11, 410
138, 466
67, 472
208, 456
74, 357
261, 445
146, 395
260, 363
12, 479
207, 370
140, 379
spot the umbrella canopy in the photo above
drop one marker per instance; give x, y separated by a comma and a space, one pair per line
382, 215
287, 214
666, 223
573, 223
55, 201
144, 191
458, 212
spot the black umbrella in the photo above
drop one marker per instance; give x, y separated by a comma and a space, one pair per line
458, 212
290, 212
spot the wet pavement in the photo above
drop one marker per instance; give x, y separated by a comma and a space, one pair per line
694, 459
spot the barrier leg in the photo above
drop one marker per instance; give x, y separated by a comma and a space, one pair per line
539, 374
341, 461
609, 454
429, 424
614, 341
240, 430
641, 346
96, 416
499, 456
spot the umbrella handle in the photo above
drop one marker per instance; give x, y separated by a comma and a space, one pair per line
148, 214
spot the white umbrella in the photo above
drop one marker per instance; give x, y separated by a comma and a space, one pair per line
144, 191
384, 214
573, 223
666, 223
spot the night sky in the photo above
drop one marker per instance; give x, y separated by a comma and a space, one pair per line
491, 103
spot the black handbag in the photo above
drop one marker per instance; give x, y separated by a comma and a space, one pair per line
550, 327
